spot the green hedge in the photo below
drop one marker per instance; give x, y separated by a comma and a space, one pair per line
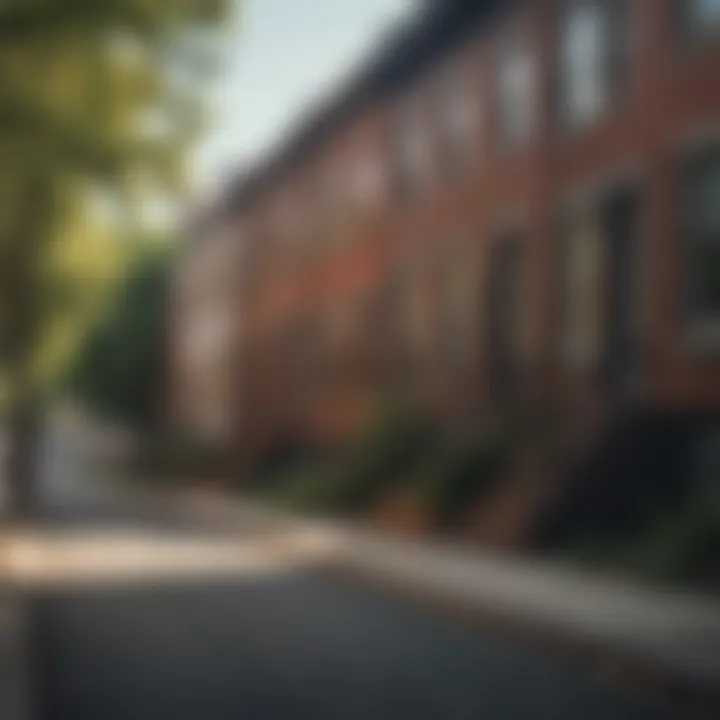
399, 450
172, 458
459, 474
679, 547
367, 467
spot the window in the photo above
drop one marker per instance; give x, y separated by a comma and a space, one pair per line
584, 81
461, 304
413, 148
702, 17
593, 47
331, 197
369, 181
418, 311
516, 82
578, 305
459, 116
330, 188
702, 241
506, 311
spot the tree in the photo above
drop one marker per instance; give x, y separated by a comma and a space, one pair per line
118, 373
92, 95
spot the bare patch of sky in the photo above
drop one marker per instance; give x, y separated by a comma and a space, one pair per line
282, 55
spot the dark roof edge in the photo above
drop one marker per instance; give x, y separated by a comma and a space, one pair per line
404, 52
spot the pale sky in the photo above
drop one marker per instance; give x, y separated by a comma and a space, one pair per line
282, 54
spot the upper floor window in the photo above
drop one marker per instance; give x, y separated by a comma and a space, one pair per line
369, 180
330, 196
702, 16
581, 242
461, 283
459, 117
593, 56
329, 187
413, 148
516, 90
702, 240
416, 306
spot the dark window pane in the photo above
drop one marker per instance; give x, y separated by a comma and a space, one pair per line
703, 238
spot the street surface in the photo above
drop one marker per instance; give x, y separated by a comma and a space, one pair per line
111, 634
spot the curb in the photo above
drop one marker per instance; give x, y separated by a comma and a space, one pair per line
685, 673
620, 667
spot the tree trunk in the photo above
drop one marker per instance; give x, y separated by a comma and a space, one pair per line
24, 251
21, 465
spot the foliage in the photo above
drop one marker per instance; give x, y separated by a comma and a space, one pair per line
314, 488
119, 370
95, 97
78, 76
83, 269
682, 547
398, 439
458, 474
399, 449
677, 546
372, 462
171, 460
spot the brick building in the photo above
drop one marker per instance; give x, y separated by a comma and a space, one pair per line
509, 204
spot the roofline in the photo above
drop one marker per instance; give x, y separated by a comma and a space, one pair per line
404, 52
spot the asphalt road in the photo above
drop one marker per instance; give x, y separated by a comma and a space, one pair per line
295, 644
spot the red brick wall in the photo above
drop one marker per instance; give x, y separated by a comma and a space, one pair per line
673, 92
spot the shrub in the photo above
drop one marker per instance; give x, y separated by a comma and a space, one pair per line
310, 489
677, 546
681, 547
173, 458
371, 463
459, 474
395, 442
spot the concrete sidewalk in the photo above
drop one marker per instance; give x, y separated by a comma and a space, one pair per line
667, 635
